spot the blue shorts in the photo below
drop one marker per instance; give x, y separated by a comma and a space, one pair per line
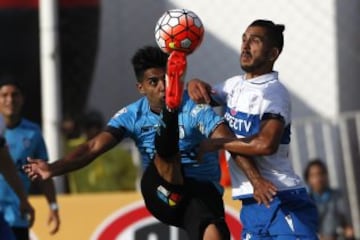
5, 230
292, 215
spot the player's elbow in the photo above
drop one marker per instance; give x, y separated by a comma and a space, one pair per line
267, 148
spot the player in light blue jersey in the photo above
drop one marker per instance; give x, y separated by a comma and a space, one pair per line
9, 172
258, 111
196, 122
177, 189
23, 140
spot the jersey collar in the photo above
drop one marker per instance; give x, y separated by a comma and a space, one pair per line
263, 78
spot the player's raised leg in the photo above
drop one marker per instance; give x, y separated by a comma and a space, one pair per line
176, 68
168, 160
163, 182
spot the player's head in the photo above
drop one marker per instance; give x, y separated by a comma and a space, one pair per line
274, 32
148, 57
11, 96
262, 43
316, 175
149, 64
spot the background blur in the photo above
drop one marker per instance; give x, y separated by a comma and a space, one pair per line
319, 64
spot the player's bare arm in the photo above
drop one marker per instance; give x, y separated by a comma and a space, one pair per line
264, 190
80, 157
266, 142
48, 189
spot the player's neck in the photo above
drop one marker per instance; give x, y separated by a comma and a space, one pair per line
156, 109
12, 121
265, 69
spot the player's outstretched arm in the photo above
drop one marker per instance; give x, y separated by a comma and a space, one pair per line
266, 142
9, 171
264, 190
80, 157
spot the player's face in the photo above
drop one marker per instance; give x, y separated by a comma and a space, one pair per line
255, 49
11, 100
153, 87
317, 178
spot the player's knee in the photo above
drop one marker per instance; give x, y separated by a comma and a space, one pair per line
223, 229
213, 233
215, 230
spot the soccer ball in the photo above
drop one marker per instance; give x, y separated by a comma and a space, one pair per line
179, 29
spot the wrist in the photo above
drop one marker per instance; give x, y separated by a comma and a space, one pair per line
255, 180
54, 206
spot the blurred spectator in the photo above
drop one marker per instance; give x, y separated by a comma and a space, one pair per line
70, 127
112, 171
23, 139
334, 222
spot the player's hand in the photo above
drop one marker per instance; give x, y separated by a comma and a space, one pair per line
264, 191
37, 169
27, 212
199, 91
54, 220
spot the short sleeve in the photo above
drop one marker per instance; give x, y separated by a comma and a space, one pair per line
123, 120
221, 90
219, 93
276, 102
205, 118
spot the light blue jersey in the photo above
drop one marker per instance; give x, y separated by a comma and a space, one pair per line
24, 140
196, 122
5, 230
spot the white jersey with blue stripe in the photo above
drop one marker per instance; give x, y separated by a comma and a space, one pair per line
248, 102
24, 140
196, 122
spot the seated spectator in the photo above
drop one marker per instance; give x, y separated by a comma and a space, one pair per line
334, 222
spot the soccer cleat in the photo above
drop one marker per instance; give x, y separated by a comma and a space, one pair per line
176, 68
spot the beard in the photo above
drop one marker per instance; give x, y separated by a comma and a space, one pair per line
256, 63
253, 67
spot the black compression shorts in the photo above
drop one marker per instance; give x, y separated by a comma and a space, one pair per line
192, 206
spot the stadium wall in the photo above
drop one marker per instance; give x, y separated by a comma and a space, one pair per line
116, 215
318, 63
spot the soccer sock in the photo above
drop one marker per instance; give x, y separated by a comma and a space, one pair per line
167, 137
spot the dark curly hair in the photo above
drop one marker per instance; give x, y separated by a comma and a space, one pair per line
148, 57
274, 32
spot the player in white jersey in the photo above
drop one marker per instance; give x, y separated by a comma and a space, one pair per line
258, 111
8, 169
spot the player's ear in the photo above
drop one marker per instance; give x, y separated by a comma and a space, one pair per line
140, 88
273, 54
